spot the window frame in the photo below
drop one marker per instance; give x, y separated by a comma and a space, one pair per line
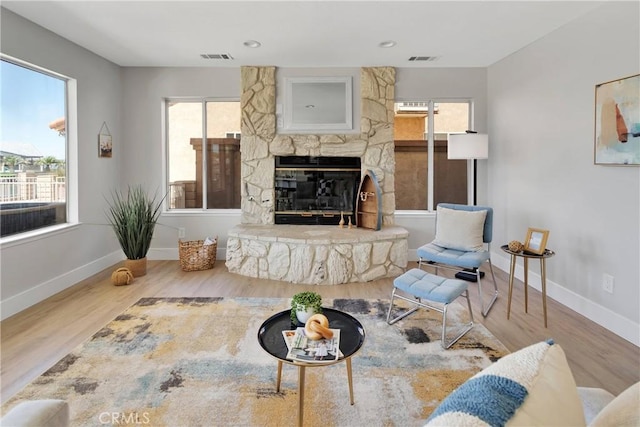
166, 210
71, 158
431, 209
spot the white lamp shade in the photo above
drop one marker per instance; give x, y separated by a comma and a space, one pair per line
468, 146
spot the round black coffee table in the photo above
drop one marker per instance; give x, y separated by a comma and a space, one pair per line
351, 339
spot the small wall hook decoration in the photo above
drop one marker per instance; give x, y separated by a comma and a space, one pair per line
105, 143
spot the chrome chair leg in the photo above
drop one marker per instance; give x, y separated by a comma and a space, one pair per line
486, 311
469, 306
444, 343
432, 264
479, 281
401, 315
464, 329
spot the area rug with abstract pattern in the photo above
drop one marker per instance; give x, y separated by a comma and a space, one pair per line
197, 362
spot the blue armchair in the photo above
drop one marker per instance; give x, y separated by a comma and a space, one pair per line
462, 243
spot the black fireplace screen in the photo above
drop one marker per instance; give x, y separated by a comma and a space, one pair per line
315, 190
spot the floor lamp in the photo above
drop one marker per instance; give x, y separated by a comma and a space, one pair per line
470, 146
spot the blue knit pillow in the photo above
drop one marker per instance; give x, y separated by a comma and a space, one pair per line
533, 386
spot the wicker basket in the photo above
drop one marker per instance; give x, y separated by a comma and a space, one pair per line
195, 255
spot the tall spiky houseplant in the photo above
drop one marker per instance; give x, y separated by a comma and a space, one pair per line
133, 217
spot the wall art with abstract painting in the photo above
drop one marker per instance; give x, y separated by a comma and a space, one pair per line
617, 122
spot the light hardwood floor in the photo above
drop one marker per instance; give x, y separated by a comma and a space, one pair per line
36, 338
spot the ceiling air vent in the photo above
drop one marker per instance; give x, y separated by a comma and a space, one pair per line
216, 56
423, 58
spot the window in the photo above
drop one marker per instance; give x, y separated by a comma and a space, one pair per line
219, 161
33, 148
419, 183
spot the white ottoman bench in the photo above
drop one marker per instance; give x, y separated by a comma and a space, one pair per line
434, 289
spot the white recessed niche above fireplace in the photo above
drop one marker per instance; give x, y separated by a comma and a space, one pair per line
318, 104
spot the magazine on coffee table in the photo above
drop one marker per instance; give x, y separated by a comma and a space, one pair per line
304, 349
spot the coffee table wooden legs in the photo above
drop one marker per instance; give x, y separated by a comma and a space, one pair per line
279, 377
301, 372
350, 378
301, 377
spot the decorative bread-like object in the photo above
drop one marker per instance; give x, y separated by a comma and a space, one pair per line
515, 246
317, 327
122, 276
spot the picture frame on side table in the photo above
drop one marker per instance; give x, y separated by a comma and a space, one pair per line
536, 241
617, 122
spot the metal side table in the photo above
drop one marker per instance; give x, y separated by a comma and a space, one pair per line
543, 277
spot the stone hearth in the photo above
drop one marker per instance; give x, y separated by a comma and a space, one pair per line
316, 254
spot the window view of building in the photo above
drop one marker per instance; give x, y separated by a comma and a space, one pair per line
187, 119
412, 142
189, 161
33, 149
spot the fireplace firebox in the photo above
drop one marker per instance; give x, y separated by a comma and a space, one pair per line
315, 190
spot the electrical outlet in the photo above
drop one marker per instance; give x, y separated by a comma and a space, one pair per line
607, 283
181, 232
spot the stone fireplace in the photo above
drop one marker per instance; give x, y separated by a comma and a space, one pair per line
260, 143
316, 254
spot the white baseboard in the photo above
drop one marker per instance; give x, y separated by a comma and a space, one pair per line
604, 317
38, 293
34, 295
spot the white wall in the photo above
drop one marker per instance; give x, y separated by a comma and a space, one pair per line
541, 167
37, 268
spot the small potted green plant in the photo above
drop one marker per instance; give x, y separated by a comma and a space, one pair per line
304, 305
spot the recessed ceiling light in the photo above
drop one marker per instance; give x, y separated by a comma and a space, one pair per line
252, 43
387, 43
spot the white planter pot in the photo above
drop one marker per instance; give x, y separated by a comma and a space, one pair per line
303, 316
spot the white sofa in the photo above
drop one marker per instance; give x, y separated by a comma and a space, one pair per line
603, 409
37, 413
535, 387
